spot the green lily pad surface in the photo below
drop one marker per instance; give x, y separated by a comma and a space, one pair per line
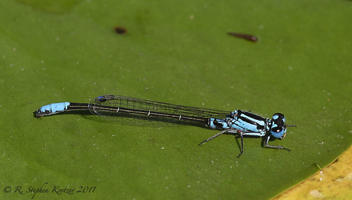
176, 52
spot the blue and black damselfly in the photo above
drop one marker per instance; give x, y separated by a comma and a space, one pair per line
237, 122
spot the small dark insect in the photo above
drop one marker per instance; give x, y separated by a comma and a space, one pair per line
244, 36
335, 161
120, 30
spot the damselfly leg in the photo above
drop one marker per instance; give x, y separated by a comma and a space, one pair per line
273, 146
214, 136
229, 131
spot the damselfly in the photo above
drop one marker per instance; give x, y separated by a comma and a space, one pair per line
237, 122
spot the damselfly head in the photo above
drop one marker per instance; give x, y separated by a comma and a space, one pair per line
278, 127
